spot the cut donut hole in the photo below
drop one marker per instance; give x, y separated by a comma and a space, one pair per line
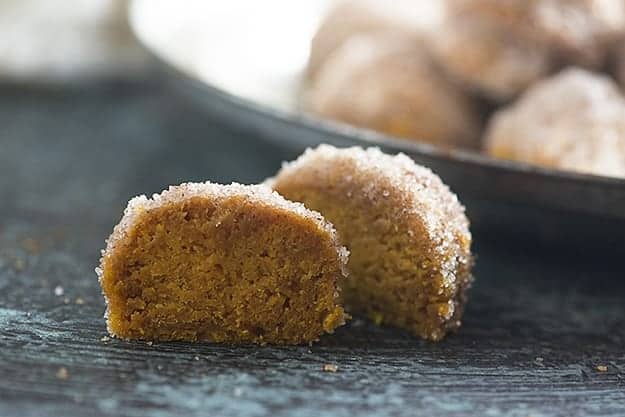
222, 263
408, 236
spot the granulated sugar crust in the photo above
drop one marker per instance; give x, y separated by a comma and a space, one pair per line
430, 200
574, 120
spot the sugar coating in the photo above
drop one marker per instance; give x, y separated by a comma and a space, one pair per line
578, 31
486, 57
500, 48
389, 84
427, 197
266, 207
257, 194
407, 233
349, 18
574, 120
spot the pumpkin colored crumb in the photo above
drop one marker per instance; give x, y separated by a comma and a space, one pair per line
407, 234
222, 263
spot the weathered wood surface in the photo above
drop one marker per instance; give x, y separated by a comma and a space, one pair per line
537, 326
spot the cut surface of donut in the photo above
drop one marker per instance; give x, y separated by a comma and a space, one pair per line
408, 236
222, 263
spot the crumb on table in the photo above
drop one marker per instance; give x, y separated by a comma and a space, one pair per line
330, 367
62, 373
19, 264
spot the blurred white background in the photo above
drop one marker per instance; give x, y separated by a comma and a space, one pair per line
54, 40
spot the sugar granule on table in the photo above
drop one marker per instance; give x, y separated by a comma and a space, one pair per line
62, 373
329, 367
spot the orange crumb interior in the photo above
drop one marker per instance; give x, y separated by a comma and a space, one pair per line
391, 280
197, 271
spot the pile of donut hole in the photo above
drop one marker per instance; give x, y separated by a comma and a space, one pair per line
472, 73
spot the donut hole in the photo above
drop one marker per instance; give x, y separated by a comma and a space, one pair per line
228, 272
389, 280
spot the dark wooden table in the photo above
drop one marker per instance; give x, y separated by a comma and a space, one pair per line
538, 330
